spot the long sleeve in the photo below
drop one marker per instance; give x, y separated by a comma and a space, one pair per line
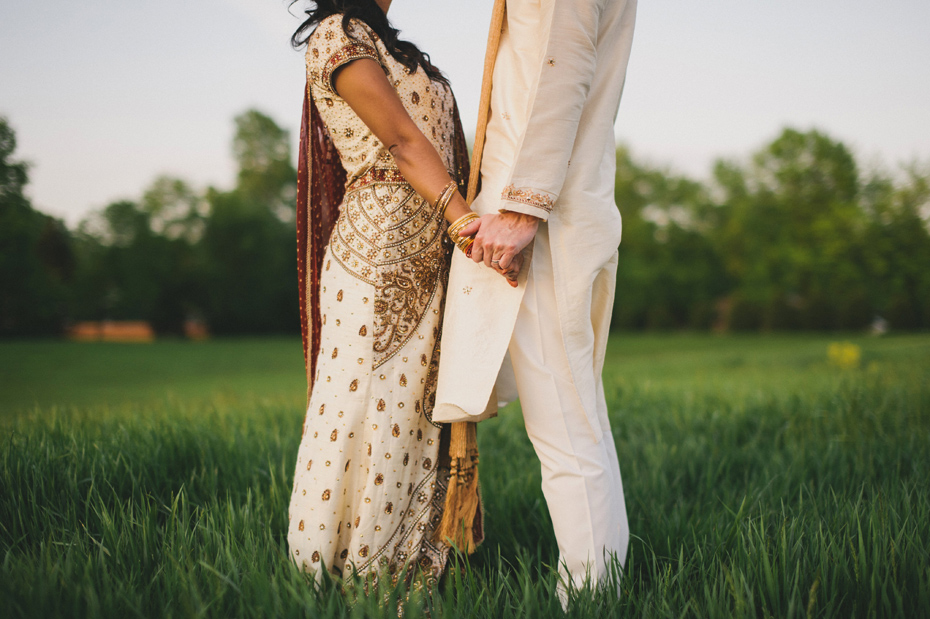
565, 76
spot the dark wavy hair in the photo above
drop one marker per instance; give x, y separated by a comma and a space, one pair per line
371, 14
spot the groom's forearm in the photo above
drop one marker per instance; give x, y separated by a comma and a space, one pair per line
565, 76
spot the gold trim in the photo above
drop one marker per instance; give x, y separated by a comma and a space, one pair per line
350, 52
525, 195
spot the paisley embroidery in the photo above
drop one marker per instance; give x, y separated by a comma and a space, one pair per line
403, 294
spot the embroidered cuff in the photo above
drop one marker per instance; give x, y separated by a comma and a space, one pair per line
527, 201
347, 54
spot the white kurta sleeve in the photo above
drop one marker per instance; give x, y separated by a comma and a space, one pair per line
565, 75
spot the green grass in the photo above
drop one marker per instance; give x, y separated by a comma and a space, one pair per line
153, 480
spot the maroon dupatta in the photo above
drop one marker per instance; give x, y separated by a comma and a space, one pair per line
320, 188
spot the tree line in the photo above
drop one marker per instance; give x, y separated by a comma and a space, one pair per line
796, 237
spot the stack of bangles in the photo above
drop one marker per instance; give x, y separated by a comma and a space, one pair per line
462, 242
445, 197
442, 203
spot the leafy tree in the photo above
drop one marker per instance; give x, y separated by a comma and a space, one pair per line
791, 235
130, 270
175, 210
266, 175
669, 275
251, 277
36, 262
249, 240
898, 238
228, 257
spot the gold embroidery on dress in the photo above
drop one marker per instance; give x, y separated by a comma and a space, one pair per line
427, 514
403, 296
390, 238
383, 222
350, 52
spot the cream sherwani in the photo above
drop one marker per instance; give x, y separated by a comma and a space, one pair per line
550, 152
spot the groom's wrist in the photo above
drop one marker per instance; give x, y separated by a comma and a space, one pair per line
523, 218
526, 200
531, 212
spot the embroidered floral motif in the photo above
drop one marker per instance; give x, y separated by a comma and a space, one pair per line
525, 195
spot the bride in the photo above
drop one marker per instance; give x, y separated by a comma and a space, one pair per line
379, 215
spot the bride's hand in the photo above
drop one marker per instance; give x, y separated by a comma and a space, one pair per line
511, 273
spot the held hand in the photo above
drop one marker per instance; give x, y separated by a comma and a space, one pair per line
501, 238
511, 271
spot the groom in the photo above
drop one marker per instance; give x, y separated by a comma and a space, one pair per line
547, 176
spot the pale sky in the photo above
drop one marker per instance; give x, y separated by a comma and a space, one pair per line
107, 94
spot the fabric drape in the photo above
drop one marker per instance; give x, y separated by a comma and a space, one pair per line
320, 189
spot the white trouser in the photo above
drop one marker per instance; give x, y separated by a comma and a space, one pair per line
580, 476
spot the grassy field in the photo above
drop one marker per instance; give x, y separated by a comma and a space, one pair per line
761, 481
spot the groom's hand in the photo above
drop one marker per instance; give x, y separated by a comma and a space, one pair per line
500, 238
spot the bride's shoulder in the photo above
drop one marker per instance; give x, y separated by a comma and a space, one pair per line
328, 28
334, 27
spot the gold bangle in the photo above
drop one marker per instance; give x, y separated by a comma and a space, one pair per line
462, 242
463, 221
445, 199
466, 244
460, 223
442, 192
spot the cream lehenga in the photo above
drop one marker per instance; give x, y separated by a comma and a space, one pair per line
370, 479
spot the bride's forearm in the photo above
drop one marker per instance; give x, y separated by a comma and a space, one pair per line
367, 91
418, 161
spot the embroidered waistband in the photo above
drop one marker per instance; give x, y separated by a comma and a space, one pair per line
377, 175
